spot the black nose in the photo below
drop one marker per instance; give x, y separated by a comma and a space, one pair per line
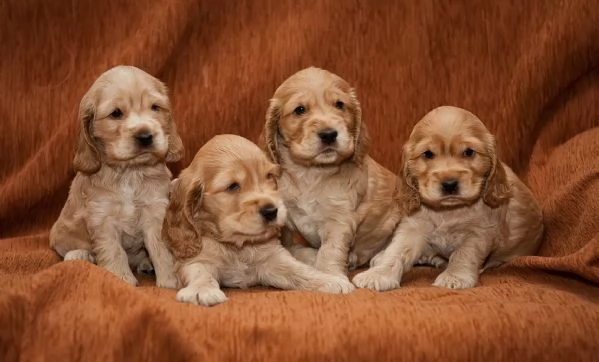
144, 139
328, 136
449, 186
269, 212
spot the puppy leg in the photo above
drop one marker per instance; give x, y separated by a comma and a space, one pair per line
162, 259
305, 254
200, 286
332, 256
388, 266
110, 254
281, 270
463, 267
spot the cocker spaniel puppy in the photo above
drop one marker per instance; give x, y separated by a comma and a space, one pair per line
339, 199
116, 204
223, 226
469, 211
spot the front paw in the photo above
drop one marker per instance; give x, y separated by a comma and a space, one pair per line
169, 281
337, 285
145, 267
203, 296
128, 278
376, 280
454, 281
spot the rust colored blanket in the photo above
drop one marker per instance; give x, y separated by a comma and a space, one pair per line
529, 69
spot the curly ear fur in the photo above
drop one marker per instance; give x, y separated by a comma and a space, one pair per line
361, 137
407, 190
496, 189
268, 138
87, 157
178, 229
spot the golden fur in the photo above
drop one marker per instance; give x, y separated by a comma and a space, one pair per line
468, 210
223, 225
117, 201
338, 198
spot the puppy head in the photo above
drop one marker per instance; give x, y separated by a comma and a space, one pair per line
126, 121
450, 160
232, 191
316, 116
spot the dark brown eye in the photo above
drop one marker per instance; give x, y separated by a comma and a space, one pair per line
116, 114
339, 105
428, 155
155, 107
233, 187
469, 152
299, 110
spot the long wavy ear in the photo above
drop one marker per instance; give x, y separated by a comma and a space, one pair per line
496, 189
179, 229
268, 138
407, 189
175, 145
361, 137
87, 157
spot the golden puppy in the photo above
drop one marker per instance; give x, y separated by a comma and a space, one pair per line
223, 226
117, 201
338, 198
469, 210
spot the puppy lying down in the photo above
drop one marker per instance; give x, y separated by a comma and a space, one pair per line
117, 201
223, 225
469, 211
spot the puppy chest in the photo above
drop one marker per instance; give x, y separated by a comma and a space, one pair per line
307, 217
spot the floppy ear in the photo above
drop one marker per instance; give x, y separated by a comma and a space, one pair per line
87, 157
178, 229
268, 137
175, 145
496, 189
361, 137
407, 189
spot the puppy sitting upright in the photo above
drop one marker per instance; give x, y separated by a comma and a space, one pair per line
223, 225
117, 201
339, 199
469, 211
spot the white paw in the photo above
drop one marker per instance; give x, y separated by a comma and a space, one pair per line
204, 296
337, 285
167, 281
376, 280
453, 281
80, 254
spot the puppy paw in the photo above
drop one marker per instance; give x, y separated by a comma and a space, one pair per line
454, 281
204, 296
80, 254
435, 261
125, 275
145, 267
376, 280
337, 285
352, 261
169, 281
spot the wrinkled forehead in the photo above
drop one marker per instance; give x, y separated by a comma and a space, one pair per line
447, 130
126, 86
313, 84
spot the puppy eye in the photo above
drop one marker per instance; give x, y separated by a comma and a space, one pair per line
428, 155
339, 105
233, 187
116, 114
299, 110
469, 152
155, 107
